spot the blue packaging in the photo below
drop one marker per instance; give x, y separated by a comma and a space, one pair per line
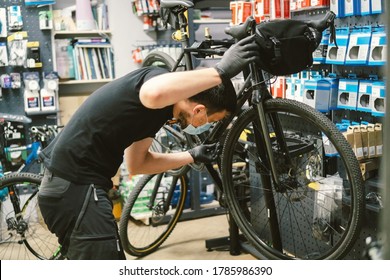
336, 53
358, 46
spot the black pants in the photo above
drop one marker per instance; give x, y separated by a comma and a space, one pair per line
81, 217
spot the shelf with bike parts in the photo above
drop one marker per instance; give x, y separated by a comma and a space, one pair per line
347, 83
26, 66
22, 53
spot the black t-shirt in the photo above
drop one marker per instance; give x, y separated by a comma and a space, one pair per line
90, 148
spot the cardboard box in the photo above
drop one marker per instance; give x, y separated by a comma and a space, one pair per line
371, 141
68, 106
350, 138
369, 168
357, 141
364, 135
378, 139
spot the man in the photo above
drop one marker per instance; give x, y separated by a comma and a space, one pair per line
120, 118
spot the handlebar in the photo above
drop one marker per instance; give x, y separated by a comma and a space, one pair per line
243, 30
321, 24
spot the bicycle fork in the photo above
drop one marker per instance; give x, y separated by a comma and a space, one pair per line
260, 94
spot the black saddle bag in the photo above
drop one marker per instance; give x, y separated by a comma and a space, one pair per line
286, 46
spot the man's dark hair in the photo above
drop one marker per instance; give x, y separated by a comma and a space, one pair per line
218, 98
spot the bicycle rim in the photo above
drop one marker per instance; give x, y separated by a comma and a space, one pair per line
143, 228
159, 59
24, 235
316, 210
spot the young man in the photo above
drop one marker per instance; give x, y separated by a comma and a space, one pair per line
121, 118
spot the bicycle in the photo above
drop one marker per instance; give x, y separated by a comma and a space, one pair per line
24, 234
286, 174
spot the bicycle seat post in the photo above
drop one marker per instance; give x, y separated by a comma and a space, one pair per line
184, 36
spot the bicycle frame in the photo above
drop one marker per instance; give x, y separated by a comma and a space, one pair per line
39, 141
32, 149
274, 170
253, 86
256, 93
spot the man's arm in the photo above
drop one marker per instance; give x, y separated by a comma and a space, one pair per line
140, 160
169, 88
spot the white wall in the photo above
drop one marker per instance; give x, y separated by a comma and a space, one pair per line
127, 32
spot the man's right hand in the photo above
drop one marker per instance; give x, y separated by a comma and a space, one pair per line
206, 153
237, 57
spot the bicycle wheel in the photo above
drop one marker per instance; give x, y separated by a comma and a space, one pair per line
169, 139
316, 210
23, 233
158, 59
152, 212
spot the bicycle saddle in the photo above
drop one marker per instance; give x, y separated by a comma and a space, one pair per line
174, 3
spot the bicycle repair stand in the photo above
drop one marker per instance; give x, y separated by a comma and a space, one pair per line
235, 242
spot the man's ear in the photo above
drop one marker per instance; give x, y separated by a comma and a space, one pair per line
199, 108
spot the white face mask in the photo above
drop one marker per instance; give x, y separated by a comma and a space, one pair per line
190, 129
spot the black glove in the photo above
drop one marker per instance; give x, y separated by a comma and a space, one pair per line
237, 57
206, 153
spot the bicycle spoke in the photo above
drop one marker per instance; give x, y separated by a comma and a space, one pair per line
24, 235
309, 202
151, 212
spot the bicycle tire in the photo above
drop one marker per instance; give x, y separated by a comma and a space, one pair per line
24, 234
158, 59
170, 140
302, 229
143, 233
